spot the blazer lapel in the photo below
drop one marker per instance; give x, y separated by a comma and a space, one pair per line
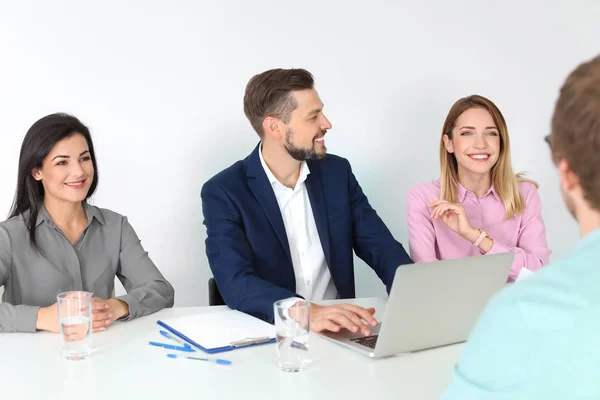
261, 188
316, 194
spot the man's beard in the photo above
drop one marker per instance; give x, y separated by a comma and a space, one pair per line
299, 153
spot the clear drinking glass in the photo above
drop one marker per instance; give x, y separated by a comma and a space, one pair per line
75, 318
292, 326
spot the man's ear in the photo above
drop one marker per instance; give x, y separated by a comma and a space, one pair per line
273, 127
448, 144
568, 179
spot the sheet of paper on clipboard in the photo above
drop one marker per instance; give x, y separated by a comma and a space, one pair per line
220, 331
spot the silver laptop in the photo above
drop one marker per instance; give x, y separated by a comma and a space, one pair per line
431, 305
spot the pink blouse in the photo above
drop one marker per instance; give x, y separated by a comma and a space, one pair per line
524, 234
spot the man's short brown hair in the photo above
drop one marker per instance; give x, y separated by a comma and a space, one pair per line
575, 133
270, 94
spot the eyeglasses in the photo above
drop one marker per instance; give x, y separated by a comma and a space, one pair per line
548, 139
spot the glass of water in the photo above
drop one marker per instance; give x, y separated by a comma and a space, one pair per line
292, 326
75, 318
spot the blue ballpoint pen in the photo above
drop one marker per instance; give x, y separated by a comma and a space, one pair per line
219, 361
172, 347
175, 338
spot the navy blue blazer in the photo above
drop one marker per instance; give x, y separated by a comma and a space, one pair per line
247, 245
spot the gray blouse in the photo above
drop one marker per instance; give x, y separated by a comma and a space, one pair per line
108, 247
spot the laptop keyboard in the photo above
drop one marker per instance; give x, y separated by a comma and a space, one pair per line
367, 341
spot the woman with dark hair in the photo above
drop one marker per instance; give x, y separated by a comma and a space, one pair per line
54, 241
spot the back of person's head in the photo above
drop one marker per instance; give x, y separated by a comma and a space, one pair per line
270, 94
503, 178
575, 135
37, 144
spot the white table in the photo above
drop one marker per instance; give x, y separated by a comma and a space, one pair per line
125, 367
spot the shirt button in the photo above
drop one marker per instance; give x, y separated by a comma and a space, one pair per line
308, 283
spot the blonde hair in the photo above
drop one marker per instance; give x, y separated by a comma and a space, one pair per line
504, 180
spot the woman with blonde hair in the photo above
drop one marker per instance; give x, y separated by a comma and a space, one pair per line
479, 205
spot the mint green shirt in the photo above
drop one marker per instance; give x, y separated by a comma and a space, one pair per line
539, 338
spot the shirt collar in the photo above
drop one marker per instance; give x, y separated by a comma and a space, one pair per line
304, 170
591, 238
90, 211
462, 193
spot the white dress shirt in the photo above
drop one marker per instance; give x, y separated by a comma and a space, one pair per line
313, 279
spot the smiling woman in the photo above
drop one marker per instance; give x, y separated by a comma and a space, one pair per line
54, 241
479, 205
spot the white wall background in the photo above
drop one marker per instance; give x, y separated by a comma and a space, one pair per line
160, 84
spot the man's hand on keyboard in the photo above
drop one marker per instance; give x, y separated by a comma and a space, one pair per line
334, 318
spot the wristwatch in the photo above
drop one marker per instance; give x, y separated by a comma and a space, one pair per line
482, 235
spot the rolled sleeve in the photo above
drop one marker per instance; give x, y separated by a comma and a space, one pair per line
26, 318
20, 318
133, 305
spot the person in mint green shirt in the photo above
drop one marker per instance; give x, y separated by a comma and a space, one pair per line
540, 338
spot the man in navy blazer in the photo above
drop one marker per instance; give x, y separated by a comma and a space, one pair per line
284, 221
